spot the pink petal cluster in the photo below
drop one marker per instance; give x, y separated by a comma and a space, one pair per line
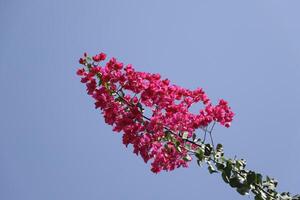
125, 95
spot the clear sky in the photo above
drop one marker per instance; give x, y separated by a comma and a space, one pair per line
54, 145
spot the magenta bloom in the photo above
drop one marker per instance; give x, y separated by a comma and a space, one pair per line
124, 96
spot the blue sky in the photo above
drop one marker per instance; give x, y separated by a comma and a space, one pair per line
54, 145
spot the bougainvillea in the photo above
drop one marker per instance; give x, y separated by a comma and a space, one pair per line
155, 117
122, 93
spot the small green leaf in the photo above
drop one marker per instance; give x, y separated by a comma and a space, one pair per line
219, 148
228, 168
235, 182
194, 137
220, 166
168, 136
188, 146
177, 143
185, 135
178, 149
251, 178
140, 106
225, 177
199, 163
241, 164
187, 158
89, 59
208, 150
259, 179
199, 154
211, 169
118, 99
243, 190
99, 79
296, 197
259, 197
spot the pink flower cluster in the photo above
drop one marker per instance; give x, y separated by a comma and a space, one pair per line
125, 95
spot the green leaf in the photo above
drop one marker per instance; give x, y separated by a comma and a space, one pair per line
241, 164
208, 150
188, 146
194, 136
118, 99
235, 182
99, 80
219, 148
251, 178
225, 177
285, 196
185, 135
258, 179
220, 166
228, 168
258, 197
296, 197
243, 190
177, 143
88, 58
178, 148
211, 169
167, 136
187, 158
199, 154
199, 163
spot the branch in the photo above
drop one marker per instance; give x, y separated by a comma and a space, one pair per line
233, 171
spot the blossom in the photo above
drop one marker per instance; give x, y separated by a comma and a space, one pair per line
124, 96
99, 57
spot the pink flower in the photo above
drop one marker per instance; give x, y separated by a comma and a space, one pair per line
124, 96
99, 57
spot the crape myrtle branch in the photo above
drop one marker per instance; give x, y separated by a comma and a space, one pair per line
168, 138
